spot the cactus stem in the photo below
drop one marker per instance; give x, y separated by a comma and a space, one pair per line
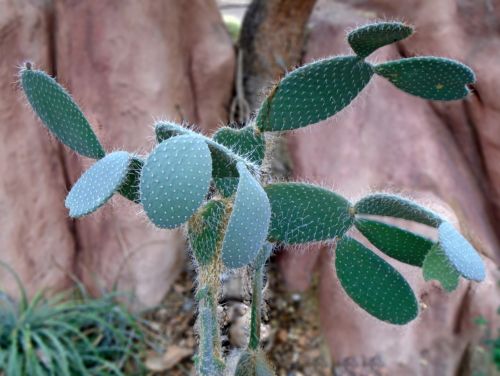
255, 319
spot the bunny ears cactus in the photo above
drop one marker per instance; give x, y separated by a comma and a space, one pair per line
213, 184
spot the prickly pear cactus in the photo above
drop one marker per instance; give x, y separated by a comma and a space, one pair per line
214, 187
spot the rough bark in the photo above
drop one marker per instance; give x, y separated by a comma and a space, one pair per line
272, 39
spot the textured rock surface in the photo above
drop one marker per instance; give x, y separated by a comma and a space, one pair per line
389, 140
126, 63
35, 233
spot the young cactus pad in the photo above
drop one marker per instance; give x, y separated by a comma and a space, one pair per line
366, 39
59, 113
436, 266
175, 180
98, 184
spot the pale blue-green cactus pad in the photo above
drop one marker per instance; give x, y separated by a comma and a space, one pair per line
59, 113
175, 180
460, 253
249, 222
98, 184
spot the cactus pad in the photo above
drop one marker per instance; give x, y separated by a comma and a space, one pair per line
400, 244
248, 224
175, 180
313, 93
304, 213
429, 77
244, 142
368, 38
166, 129
57, 110
460, 253
98, 184
206, 230
436, 266
395, 206
374, 284
130, 187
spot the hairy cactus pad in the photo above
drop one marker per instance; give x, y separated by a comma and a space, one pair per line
248, 224
206, 230
400, 244
437, 266
374, 284
175, 180
429, 77
244, 142
98, 184
57, 110
130, 187
366, 39
395, 206
460, 253
313, 93
303, 213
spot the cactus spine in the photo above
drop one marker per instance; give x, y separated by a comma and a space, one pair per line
233, 220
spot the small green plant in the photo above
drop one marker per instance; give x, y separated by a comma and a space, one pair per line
214, 184
70, 334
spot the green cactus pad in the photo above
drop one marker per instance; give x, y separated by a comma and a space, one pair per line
395, 206
400, 244
130, 187
166, 129
429, 77
253, 363
245, 142
303, 213
368, 38
373, 284
175, 180
461, 253
436, 266
98, 184
313, 93
248, 224
206, 230
60, 114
